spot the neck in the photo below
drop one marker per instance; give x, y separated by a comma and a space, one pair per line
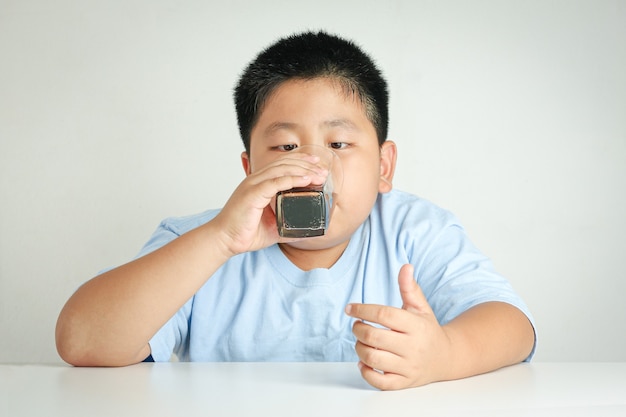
307, 259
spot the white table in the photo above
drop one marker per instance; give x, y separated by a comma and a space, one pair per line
305, 389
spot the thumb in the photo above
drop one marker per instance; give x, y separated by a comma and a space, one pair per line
413, 298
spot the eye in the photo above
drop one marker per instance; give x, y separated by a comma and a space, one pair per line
338, 145
287, 148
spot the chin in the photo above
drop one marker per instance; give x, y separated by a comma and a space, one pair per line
324, 242
311, 243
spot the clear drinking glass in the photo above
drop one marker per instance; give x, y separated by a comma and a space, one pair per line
306, 211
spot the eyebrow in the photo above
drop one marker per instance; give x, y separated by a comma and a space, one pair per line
341, 123
279, 126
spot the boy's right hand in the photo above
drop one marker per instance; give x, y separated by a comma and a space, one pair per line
247, 222
110, 319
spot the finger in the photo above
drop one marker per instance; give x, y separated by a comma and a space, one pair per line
297, 161
413, 298
377, 338
379, 359
293, 156
389, 317
263, 190
382, 381
274, 172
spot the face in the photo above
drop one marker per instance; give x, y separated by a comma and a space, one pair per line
318, 112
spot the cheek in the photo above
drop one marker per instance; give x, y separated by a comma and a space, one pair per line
256, 163
360, 179
259, 158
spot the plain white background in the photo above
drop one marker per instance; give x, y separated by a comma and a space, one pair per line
511, 114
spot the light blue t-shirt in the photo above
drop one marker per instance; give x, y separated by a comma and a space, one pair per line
260, 307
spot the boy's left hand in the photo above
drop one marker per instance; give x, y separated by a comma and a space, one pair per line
411, 350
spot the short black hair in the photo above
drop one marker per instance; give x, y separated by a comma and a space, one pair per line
306, 56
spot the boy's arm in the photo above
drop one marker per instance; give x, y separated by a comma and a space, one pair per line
415, 350
110, 319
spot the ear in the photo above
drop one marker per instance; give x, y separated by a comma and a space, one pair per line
245, 162
388, 156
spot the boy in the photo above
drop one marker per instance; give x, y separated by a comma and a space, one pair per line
394, 283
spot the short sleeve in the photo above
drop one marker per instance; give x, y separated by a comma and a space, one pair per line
173, 337
455, 276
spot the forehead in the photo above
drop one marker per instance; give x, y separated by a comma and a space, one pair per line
298, 97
